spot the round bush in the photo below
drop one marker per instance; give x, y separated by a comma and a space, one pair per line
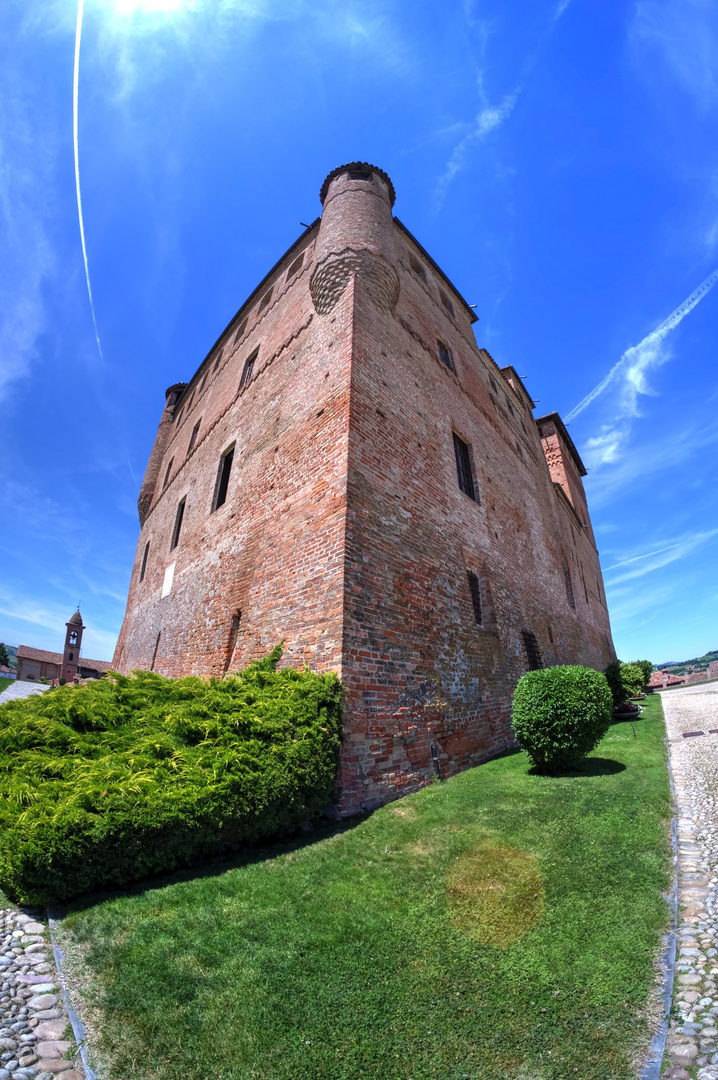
560, 714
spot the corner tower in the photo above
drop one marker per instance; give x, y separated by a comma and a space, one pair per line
347, 471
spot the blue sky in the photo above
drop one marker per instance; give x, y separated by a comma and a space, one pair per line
559, 160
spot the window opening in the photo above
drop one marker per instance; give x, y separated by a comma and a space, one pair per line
463, 467
193, 436
71, 656
359, 174
178, 524
296, 265
217, 361
533, 653
265, 299
569, 584
585, 590
495, 387
225, 467
73, 637
179, 416
154, 653
189, 403
167, 474
550, 635
242, 328
447, 303
247, 370
510, 407
232, 641
144, 561
475, 587
204, 380
417, 268
445, 356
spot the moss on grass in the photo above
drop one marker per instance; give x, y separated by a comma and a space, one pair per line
346, 956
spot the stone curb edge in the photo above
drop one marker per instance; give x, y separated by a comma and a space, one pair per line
652, 1067
78, 1028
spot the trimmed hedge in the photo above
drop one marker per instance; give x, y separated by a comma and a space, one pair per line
137, 775
626, 680
560, 714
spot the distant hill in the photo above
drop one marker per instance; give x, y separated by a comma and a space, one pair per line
680, 667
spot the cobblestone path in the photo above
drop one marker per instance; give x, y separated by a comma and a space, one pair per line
692, 1049
33, 1022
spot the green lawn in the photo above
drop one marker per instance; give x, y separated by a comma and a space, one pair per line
496, 925
4, 683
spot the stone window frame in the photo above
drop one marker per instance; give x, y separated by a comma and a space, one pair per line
221, 484
179, 518
144, 561
248, 369
465, 467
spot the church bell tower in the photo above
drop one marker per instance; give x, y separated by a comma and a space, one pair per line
73, 641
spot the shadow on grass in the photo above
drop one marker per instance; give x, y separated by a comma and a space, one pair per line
592, 766
322, 829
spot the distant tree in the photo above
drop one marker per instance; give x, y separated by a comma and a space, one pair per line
4, 658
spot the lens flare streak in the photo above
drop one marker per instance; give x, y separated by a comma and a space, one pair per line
76, 144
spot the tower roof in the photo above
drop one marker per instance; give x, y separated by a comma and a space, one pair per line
359, 165
76, 618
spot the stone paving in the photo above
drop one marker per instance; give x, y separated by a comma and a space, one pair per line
34, 1026
21, 689
692, 1048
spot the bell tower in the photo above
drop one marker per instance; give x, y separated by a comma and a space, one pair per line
73, 641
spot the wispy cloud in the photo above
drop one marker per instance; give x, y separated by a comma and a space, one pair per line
630, 371
684, 37
647, 561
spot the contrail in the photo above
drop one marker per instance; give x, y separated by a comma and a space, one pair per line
75, 133
638, 357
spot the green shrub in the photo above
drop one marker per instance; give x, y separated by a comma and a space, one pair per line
560, 714
646, 667
131, 776
615, 682
632, 679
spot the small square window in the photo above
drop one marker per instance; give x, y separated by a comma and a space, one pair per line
247, 370
240, 331
475, 589
417, 268
463, 467
447, 303
193, 436
265, 299
533, 653
179, 516
445, 356
296, 265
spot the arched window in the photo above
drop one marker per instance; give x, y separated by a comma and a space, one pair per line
73, 637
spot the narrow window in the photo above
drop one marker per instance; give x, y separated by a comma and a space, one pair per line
178, 524
167, 474
496, 390
475, 587
193, 436
447, 303
248, 369
463, 467
585, 590
296, 265
144, 561
569, 584
445, 355
240, 331
202, 384
265, 299
232, 640
550, 635
71, 656
154, 654
359, 174
179, 416
225, 467
73, 637
217, 361
189, 403
509, 406
417, 268
533, 653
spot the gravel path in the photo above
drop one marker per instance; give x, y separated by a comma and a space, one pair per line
22, 689
692, 1049
33, 1022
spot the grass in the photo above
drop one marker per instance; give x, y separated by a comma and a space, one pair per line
500, 924
4, 683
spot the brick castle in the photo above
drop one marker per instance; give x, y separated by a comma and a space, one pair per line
348, 471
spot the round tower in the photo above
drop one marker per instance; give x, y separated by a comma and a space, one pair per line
356, 236
73, 642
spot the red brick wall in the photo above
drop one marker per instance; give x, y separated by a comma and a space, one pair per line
345, 531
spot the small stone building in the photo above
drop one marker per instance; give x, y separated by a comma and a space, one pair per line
36, 664
348, 471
